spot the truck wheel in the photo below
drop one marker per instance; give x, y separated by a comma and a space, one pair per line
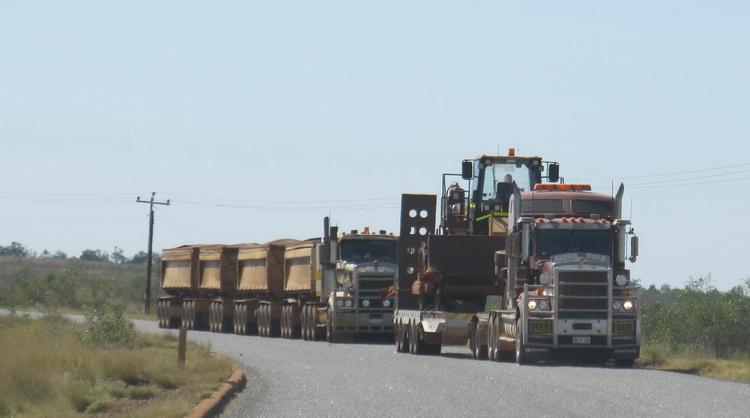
313, 332
329, 328
521, 356
624, 363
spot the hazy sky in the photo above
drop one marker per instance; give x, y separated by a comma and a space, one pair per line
257, 118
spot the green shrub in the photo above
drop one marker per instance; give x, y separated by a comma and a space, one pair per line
107, 327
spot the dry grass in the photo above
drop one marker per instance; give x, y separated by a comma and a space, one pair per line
736, 367
45, 371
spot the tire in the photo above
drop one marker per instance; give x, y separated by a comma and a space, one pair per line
212, 317
397, 330
521, 356
303, 321
262, 328
329, 327
159, 314
624, 363
416, 342
284, 321
479, 351
313, 331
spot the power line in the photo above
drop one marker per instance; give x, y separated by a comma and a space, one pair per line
687, 172
685, 184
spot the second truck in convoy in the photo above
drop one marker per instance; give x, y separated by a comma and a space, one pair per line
551, 256
319, 287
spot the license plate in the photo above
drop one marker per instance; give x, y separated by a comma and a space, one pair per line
376, 321
624, 327
581, 340
540, 326
346, 321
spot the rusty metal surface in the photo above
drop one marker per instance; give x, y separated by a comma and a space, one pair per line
464, 256
417, 221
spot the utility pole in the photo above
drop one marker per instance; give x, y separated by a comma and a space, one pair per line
152, 202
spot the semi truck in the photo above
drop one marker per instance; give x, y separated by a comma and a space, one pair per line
327, 287
551, 256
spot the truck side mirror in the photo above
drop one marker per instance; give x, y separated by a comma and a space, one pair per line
467, 170
554, 173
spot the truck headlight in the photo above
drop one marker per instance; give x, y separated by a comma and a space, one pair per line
545, 279
339, 303
621, 280
348, 303
386, 303
348, 284
616, 306
627, 305
366, 303
532, 305
543, 305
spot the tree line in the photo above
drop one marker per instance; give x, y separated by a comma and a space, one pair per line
698, 318
117, 256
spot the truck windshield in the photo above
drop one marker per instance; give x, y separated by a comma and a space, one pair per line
557, 241
504, 173
365, 249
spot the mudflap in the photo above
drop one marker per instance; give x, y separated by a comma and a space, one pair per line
538, 353
625, 353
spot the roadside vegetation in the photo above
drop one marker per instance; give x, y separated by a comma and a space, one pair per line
54, 366
698, 329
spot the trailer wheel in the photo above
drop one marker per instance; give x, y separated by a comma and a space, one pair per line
186, 323
262, 322
303, 322
416, 344
212, 317
400, 337
478, 351
284, 321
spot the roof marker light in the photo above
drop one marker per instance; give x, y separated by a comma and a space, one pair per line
563, 187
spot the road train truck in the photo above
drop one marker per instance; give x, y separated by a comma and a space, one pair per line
551, 256
328, 286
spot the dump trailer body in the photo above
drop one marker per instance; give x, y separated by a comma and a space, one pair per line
260, 269
218, 270
301, 269
179, 269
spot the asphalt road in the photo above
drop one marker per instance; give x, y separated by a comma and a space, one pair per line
300, 378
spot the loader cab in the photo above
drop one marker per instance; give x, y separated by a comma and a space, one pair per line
493, 178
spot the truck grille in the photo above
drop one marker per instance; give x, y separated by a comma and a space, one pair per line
369, 288
583, 294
